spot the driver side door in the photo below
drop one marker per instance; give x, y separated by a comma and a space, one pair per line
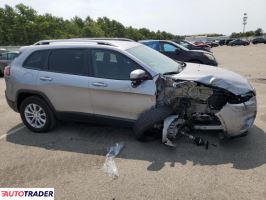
111, 92
170, 50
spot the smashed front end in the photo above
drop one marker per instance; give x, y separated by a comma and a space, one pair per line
205, 107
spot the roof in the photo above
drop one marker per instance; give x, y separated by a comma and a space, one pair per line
114, 42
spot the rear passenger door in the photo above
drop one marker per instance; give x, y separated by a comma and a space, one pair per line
64, 80
111, 91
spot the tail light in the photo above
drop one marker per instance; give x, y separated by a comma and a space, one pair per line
7, 71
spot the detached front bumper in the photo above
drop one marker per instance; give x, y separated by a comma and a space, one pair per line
236, 119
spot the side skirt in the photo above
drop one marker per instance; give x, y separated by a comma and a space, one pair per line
92, 118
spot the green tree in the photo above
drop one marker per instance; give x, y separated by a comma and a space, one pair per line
22, 25
259, 32
92, 29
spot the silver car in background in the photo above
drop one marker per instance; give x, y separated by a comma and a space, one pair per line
125, 81
5, 59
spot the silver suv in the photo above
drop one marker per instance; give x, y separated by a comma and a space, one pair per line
125, 81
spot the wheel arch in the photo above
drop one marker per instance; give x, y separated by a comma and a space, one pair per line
23, 94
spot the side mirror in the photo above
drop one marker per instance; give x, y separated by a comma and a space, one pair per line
137, 77
177, 51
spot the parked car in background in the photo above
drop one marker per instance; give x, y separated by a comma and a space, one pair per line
6, 59
259, 40
202, 44
180, 53
212, 43
192, 46
2, 50
222, 42
228, 40
238, 42
129, 83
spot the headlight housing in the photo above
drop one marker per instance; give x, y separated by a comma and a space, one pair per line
209, 56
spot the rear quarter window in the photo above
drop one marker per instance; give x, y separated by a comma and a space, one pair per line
36, 60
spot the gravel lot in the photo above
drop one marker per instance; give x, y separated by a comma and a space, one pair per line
70, 158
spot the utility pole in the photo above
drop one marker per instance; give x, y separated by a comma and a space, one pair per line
245, 18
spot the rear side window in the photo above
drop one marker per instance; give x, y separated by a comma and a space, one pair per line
36, 60
154, 45
69, 61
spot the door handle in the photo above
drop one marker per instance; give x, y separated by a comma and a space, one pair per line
99, 84
45, 78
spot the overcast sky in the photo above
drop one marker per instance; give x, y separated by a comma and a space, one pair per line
175, 16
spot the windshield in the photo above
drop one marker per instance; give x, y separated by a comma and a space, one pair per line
181, 47
185, 41
155, 60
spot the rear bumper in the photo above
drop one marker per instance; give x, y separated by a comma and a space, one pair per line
12, 104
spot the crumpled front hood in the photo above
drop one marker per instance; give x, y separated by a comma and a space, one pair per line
215, 76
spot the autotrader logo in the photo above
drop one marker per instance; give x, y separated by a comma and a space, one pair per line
26, 193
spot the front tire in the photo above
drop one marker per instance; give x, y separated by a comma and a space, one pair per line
147, 120
37, 115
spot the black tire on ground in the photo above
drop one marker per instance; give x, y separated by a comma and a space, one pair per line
50, 118
147, 119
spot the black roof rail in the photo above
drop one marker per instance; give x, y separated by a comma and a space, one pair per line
73, 40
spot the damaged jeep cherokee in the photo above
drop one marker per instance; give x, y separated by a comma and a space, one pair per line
125, 81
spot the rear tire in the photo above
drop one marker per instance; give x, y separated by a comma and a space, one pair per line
37, 115
147, 119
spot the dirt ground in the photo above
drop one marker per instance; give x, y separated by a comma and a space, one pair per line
70, 158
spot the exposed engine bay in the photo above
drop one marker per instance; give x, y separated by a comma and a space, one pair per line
196, 106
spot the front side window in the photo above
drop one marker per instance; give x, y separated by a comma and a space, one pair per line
69, 61
36, 60
112, 65
169, 48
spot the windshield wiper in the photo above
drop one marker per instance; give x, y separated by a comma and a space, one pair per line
170, 73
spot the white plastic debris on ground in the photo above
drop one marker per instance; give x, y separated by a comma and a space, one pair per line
109, 166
